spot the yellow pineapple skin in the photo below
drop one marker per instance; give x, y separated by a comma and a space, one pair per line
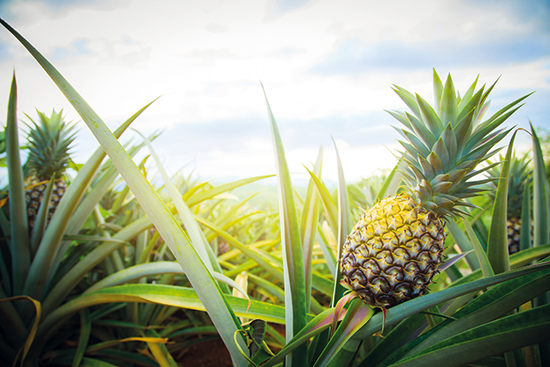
393, 252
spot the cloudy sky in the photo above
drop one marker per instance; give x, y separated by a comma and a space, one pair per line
327, 67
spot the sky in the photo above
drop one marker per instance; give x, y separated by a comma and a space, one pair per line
327, 67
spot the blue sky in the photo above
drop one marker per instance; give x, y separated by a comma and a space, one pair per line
327, 67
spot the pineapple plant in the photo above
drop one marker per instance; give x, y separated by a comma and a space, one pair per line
49, 143
520, 175
396, 247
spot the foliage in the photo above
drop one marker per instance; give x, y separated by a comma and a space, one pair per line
544, 137
131, 273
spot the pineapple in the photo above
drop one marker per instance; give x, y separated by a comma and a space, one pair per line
518, 178
395, 249
48, 142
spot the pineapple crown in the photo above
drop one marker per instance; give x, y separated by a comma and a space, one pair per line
49, 142
444, 144
520, 175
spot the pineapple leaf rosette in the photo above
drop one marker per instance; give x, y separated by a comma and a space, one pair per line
520, 176
395, 249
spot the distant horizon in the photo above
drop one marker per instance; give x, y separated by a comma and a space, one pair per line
327, 68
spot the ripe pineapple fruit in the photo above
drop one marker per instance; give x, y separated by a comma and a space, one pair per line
395, 249
48, 142
520, 175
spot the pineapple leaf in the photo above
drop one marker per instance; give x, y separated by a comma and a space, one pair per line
463, 129
484, 262
468, 95
344, 225
399, 312
430, 118
469, 107
438, 91
393, 181
449, 138
540, 195
196, 198
19, 232
506, 334
481, 133
409, 100
427, 168
52, 250
85, 331
497, 245
448, 105
308, 225
498, 115
411, 150
486, 308
420, 128
293, 261
160, 353
331, 210
440, 149
525, 240
464, 244
436, 163
401, 117
175, 296
214, 301
420, 147
196, 235
442, 187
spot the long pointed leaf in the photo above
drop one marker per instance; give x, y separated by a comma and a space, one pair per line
357, 315
506, 334
198, 275
526, 239
540, 195
293, 261
484, 262
401, 311
308, 226
160, 294
85, 330
497, 246
464, 244
194, 232
19, 241
52, 250
344, 227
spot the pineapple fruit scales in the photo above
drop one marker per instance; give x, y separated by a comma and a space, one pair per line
395, 249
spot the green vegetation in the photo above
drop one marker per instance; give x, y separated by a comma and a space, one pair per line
127, 273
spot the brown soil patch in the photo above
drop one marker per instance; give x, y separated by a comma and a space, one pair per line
212, 353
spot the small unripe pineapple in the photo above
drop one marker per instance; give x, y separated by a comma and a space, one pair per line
49, 142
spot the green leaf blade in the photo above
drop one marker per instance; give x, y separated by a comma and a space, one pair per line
198, 275
293, 261
497, 246
20, 246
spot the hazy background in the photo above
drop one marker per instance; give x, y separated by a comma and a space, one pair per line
327, 67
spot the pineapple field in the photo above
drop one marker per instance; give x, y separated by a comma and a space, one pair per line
443, 260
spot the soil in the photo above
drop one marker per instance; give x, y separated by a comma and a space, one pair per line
212, 353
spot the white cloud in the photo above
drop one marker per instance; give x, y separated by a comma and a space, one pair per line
206, 60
